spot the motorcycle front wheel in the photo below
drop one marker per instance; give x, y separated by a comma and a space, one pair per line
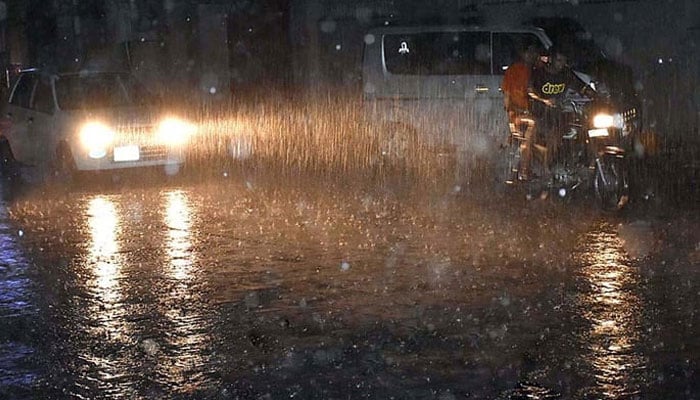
611, 183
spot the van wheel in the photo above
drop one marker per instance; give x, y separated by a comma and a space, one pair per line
64, 165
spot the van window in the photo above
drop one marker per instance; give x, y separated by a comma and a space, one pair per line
23, 91
506, 46
438, 53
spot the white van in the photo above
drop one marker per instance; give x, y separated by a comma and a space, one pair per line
442, 84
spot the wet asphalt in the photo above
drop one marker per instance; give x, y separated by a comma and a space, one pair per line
237, 286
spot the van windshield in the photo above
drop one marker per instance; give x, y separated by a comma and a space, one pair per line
103, 90
438, 53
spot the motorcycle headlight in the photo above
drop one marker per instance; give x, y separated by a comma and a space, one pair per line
96, 137
174, 131
605, 120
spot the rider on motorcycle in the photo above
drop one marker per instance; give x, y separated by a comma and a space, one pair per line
547, 88
517, 102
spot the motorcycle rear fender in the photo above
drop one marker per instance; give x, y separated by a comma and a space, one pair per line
614, 150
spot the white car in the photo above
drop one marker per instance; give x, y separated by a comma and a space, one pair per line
88, 121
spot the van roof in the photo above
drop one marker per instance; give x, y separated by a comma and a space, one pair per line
453, 28
408, 29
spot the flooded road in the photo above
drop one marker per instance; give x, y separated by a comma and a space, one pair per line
244, 289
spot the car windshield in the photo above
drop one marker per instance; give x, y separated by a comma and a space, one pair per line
102, 90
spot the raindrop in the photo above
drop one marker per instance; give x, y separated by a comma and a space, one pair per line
212, 90
252, 300
20, 233
150, 346
562, 192
338, 47
369, 38
172, 169
345, 265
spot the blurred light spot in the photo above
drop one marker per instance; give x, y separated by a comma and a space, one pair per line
212, 90
562, 192
345, 265
328, 26
20, 233
338, 46
172, 169
369, 38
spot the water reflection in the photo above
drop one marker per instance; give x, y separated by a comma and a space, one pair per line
612, 307
179, 244
185, 369
17, 309
103, 251
107, 312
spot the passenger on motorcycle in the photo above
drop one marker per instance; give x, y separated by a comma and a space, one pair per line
517, 102
547, 88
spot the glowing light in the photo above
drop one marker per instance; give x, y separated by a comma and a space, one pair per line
173, 131
96, 137
603, 121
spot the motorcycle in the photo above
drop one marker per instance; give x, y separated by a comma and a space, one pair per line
592, 155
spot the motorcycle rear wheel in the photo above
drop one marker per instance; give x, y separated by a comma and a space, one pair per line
510, 162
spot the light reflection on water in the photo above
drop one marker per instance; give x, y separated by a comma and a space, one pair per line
183, 369
163, 326
106, 313
104, 253
611, 306
179, 245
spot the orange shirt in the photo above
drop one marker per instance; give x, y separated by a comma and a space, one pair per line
515, 83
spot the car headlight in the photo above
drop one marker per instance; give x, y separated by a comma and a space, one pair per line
174, 131
605, 120
96, 137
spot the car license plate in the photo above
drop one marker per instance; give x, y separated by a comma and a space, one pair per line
597, 133
126, 153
